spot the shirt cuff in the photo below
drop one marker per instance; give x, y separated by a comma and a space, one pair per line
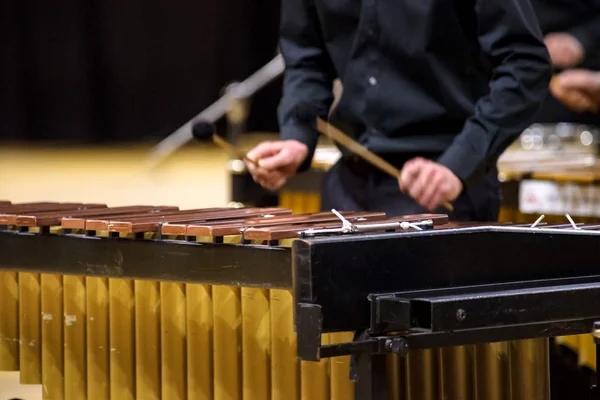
303, 134
464, 163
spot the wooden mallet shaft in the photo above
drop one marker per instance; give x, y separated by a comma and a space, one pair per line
338, 136
228, 147
203, 130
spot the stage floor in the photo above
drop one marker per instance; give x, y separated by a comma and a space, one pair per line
193, 178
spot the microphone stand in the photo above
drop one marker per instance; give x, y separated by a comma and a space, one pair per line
234, 103
237, 113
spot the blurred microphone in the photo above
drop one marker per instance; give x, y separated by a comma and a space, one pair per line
203, 131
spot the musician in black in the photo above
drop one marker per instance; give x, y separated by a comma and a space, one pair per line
438, 88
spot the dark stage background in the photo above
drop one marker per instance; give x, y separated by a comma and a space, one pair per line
117, 71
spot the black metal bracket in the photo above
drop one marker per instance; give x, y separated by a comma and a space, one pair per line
308, 322
458, 316
339, 273
489, 306
401, 322
364, 343
368, 368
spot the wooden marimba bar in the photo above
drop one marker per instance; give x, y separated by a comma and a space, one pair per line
101, 334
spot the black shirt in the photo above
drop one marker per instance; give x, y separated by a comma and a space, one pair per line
580, 18
416, 75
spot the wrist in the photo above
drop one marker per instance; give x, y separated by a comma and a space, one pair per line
299, 151
301, 136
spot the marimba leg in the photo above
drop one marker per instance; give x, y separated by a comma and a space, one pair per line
371, 381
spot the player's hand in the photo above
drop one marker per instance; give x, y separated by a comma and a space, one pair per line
577, 89
277, 160
429, 183
565, 50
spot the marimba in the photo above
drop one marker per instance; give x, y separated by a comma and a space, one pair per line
240, 303
552, 163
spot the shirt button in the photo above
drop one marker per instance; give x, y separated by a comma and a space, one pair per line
372, 81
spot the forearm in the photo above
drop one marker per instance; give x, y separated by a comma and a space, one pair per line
514, 45
309, 75
303, 84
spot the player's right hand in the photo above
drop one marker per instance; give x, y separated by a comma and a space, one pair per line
277, 160
578, 89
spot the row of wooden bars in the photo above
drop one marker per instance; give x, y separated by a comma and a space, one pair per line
108, 339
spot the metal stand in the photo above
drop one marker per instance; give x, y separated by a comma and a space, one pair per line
237, 112
370, 378
368, 365
595, 389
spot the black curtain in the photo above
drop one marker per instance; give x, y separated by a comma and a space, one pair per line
116, 71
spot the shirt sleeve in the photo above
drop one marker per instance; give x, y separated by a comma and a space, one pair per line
309, 73
510, 38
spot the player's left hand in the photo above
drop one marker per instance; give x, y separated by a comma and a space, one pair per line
565, 50
429, 183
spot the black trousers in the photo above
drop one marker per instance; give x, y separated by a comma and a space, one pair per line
354, 185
